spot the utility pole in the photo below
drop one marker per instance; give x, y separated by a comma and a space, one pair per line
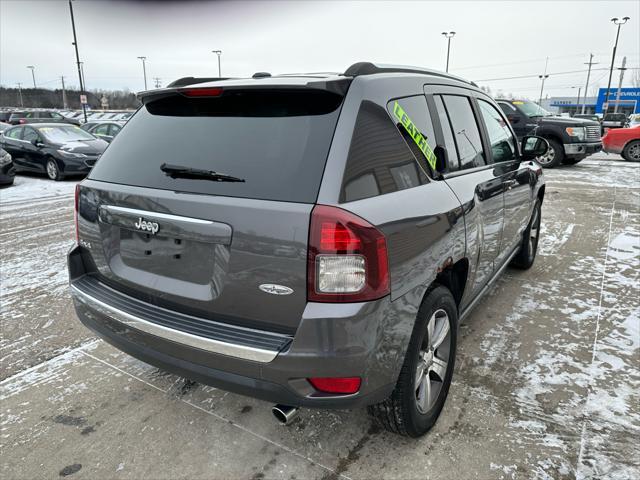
64, 93
619, 23
218, 52
578, 99
157, 80
543, 77
20, 94
78, 63
622, 69
33, 75
586, 87
144, 70
448, 36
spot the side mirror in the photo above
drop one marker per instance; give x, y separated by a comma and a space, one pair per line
513, 118
533, 147
35, 142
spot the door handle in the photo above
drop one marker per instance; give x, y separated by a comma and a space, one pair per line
509, 184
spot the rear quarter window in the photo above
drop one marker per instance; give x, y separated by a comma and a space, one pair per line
380, 160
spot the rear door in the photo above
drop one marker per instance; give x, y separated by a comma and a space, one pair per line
478, 186
518, 177
204, 247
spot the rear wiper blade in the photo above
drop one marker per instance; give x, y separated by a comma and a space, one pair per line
178, 171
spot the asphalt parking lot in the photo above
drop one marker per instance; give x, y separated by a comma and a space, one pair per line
547, 381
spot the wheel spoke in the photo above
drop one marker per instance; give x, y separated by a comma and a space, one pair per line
441, 332
424, 394
439, 367
430, 329
420, 373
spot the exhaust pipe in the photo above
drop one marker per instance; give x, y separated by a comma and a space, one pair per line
285, 414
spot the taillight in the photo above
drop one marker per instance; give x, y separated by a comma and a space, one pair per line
343, 385
22, 121
75, 212
201, 92
347, 258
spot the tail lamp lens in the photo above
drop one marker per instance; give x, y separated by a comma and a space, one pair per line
341, 385
201, 92
347, 259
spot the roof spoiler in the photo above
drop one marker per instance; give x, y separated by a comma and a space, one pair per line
184, 81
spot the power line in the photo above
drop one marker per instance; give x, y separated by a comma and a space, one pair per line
536, 75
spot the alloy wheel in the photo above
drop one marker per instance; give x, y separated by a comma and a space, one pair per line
548, 157
433, 360
52, 170
634, 152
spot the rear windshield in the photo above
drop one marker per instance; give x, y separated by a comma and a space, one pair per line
615, 116
277, 141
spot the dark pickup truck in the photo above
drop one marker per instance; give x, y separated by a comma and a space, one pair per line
570, 139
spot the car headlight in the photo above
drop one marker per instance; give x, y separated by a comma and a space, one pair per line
67, 154
577, 132
5, 160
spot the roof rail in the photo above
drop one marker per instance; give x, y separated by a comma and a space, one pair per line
181, 82
368, 68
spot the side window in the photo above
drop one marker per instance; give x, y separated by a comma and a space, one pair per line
14, 133
507, 108
56, 115
101, 129
503, 145
113, 130
411, 116
30, 134
31, 115
465, 131
379, 160
452, 152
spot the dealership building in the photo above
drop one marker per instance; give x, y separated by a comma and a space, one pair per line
629, 102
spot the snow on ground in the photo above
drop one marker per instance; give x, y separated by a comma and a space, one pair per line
26, 188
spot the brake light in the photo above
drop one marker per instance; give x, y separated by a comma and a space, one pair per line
22, 121
201, 92
343, 385
347, 258
75, 212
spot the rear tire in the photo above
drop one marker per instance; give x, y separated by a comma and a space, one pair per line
420, 393
631, 152
53, 171
529, 248
554, 156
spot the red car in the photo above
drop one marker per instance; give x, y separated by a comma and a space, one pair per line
625, 141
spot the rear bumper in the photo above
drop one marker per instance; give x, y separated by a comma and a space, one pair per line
367, 340
581, 149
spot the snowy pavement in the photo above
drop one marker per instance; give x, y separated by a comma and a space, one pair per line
547, 381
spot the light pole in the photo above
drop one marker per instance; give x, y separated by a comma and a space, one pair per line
577, 99
78, 63
33, 75
144, 70
20, 94
543, 78
619, 23
448, 36
218, 52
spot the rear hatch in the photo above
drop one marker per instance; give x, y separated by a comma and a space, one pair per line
206, 244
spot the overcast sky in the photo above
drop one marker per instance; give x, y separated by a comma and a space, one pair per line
494, 40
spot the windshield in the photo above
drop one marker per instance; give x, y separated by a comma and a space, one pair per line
277, 141
63, 134
531, 109
615, 116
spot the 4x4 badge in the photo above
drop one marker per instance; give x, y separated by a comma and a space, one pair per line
142, 224
275, 289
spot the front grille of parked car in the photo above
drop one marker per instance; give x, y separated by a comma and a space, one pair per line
91, 162
593, 132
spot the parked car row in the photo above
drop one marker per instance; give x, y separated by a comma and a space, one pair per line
57, 150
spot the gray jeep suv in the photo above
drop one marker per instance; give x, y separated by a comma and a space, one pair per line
310, 240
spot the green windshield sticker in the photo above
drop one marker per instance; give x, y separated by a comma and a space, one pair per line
418, 138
